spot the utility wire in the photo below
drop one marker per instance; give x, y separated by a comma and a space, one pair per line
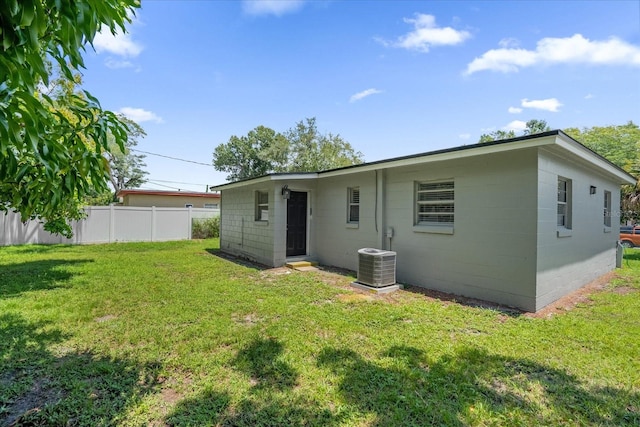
161, 185
172, 158
173, 182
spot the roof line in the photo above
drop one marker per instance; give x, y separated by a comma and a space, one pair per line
556, 132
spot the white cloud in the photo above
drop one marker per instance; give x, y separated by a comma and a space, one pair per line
120, 44
115, 63
426, 34
515, 110
550, 104
589, 96
140, 115
569, 50
509, 43
271, 7
516, 126
358, 96
464, 136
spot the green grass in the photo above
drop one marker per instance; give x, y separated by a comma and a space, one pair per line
174, 334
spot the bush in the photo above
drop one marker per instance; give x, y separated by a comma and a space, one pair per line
205, 228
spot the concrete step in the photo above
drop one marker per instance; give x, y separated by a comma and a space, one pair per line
302, 265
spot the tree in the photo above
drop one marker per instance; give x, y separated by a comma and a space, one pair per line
497, 135
261, 151
536, 126
301, 149
312, 151
532, 127
125, 168
52, 156
620, 144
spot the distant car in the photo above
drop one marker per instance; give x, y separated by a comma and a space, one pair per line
630, 236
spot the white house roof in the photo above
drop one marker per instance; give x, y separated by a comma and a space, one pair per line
555, 141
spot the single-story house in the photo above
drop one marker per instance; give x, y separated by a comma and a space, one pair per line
169, 199
520, 222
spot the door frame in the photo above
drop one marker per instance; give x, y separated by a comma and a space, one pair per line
307, 224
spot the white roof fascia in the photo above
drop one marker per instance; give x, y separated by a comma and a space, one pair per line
266, 178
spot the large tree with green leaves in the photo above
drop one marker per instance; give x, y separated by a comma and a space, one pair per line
261, 151
620, 144
300, 149
533, 126
52, 149
126, 169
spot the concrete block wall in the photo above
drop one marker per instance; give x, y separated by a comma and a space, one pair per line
586, 251
240, 233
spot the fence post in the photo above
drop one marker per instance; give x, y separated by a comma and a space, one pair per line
112, 223
153, 223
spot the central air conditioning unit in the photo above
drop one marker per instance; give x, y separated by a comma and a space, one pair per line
376, 267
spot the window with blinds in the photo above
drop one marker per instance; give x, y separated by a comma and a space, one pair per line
607, 208
262, 206
435, 203
564, 202
353, 205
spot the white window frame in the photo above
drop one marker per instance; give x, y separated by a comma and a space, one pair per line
607, 208
262, 206
564, 204
353, 201
434, 203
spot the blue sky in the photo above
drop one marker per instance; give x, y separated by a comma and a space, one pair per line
391, 77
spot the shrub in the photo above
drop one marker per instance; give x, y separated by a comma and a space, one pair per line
205, 228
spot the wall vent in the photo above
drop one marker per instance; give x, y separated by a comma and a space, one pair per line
376, 267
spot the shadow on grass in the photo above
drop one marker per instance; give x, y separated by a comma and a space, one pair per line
260, 360
270, 400
401, 387
78, 388
245, 262
472, 387
35, 276
632, 254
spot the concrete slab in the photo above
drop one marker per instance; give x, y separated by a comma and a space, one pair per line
306, 268
382, 290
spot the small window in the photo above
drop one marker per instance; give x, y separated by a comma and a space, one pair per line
188, 205
435, 203
353, 215
211, 206
607, 208
262, 206
564, 202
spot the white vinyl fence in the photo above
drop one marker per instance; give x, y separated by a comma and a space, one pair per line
106, 224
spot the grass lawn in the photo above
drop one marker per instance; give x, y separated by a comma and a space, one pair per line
174, 334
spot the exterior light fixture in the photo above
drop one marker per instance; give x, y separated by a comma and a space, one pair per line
286, 193
592, 190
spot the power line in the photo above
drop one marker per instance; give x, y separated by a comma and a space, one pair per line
173, 182
161, 185
172, 158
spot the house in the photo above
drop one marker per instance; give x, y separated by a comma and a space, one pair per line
169, 199
520, 222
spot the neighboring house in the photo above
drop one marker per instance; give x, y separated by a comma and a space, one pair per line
520, 222
169, 199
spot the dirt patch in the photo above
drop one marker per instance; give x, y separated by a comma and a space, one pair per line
579, 296
105, 318
247, 319
623, 290
170, 396
39, 396
354, 298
